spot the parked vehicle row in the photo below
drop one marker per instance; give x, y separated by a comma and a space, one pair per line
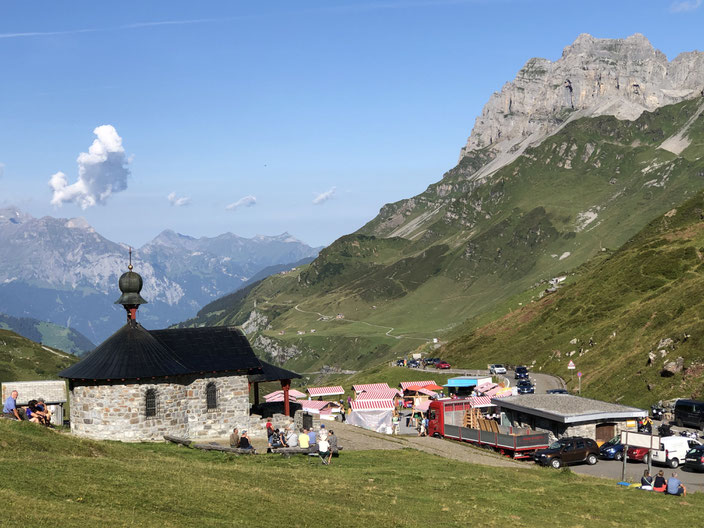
425, 362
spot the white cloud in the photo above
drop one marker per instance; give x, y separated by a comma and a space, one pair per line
324, 196
102, 171
178, 201
687, 5
247, 201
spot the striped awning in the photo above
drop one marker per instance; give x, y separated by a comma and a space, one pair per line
378, 395
372, 405
370, 386
315, 405
405, 384
292, 393
427, 392
486, 386
504, 393
272, 398
481, 401
325, 391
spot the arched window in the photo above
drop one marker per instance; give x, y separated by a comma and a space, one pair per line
150, 403
211, 396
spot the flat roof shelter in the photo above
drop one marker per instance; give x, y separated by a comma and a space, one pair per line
568, 415
271, 372
464, 385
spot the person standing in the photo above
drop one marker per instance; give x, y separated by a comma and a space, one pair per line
10, 408
394, 424
332, 440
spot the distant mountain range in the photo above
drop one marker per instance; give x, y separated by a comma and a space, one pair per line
572, 157
49, 334
61, 270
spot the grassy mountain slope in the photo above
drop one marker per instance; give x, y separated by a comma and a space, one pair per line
622, 318
55, 336
109, 484
25, 360
463, 247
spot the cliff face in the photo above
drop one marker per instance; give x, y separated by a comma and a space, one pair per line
619, 77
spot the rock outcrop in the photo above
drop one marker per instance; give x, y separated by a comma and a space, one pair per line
619, 77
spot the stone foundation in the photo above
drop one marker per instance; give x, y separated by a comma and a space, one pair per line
114, 411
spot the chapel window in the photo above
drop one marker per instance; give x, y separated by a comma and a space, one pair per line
211, 396
150, 403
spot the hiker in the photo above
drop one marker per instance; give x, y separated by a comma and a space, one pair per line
674, 486
10, 408
332, 441
324, 450
322, 433
235, 438
646, 481
269, 428
312, 437
244, 441
660, 484
304, 439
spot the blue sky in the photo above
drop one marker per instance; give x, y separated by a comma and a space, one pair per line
302, 116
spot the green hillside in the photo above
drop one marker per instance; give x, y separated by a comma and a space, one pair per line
81, 483
55, 336
464, 247
25, 360
641, 307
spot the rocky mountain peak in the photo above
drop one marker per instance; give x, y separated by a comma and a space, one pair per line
12, 215
594, 76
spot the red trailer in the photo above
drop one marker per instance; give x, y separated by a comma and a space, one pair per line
446, 418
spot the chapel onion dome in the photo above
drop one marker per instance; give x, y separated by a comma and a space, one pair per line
130, 285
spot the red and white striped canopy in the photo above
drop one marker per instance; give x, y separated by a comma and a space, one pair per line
279, 395
427, 392
315, 405
504, 394
370, 386
481, 401
372, 405
325, 391
405, 384
378, 395
486, 386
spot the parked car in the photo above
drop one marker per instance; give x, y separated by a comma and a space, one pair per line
521, 373
497, 369
525, 387
557, 391
689, 412
673, 450
639, 454
414, 363
695, 459
612, 450
442, 365
569, 450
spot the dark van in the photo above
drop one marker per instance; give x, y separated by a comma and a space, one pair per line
689, 412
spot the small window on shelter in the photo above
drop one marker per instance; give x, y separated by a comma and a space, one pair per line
211, 396
150, 403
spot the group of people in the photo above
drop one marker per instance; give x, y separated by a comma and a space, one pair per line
671, 486
325, 440
35, 411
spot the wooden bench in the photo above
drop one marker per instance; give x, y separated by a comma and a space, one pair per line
212, 446
286, 452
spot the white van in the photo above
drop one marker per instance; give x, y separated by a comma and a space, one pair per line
673, 450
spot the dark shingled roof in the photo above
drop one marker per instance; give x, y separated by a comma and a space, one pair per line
272, 373
133, 352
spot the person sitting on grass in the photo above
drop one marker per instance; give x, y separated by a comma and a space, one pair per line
646, 481
324, 450
44, 412
244, 441
660, 484
674, 486
10, 410
31, 412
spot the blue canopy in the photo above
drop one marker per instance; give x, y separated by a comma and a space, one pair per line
461, 382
